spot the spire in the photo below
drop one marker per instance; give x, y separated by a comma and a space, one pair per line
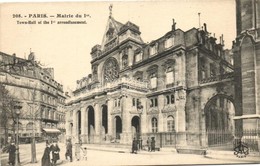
110, 10
199, 20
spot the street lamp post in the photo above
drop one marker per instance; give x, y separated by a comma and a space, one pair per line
140, 111
17, 112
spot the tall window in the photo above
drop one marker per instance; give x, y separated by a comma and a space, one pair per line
153, 49
169, 75
170, 99
154, 102
154, 125
115, 103
170, 123
133, 101
139, 56
169, 42
153, 80
212, 70
125, 61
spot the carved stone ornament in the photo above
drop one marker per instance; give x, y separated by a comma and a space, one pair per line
153, 111
169, 108
111, 70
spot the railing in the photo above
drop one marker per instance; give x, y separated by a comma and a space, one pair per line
121, 81
217, 78
251, 138
216, 139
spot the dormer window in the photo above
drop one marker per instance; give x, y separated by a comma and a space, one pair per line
169, 42
153, 49
139, 56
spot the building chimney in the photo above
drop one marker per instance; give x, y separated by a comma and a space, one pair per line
173, 25
205, 27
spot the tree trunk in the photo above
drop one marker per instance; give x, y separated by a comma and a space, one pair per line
33, 150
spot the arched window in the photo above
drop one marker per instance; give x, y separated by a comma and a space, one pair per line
154, 125
111, 70
170, 124
29, 127
125, 61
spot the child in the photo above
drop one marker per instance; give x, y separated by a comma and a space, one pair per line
84, 153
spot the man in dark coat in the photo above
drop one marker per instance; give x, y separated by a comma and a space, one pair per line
134, 146
11, 151
46, 161
69, 150
55, 153
149, 144
153, 144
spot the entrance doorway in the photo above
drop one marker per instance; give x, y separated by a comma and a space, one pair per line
219, 113
91, 124
135, 123
118, 126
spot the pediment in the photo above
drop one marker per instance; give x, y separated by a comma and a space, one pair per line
111, 31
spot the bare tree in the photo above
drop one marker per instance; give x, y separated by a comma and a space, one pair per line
34, 115
7, 113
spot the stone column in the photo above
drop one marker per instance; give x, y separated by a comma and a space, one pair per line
110, 117
160, 116
83, 124
74, 130
67, 125
180, 118
126, 120
97, 123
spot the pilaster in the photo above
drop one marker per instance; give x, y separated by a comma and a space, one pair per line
97, 123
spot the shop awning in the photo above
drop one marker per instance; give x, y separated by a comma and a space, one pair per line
51, 130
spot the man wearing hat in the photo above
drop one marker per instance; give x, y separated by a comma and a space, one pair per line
11, 151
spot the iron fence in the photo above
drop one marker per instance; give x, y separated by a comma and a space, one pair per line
218, 139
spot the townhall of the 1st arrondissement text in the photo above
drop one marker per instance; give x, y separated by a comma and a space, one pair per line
176, 88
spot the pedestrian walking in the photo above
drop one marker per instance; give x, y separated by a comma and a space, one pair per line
46, 161
69, 150
11, 151
149, 144
153, 144
55, 153
134, 146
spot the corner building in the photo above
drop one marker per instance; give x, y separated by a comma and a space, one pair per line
160, 89
42, 99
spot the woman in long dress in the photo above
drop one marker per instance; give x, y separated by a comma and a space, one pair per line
46, 161
55, 153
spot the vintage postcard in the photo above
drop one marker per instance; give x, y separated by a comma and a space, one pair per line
130, 82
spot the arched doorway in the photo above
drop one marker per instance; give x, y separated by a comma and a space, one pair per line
118, 127
104, 118
78, 123
104, 122
91, 124
219, 124
135, 123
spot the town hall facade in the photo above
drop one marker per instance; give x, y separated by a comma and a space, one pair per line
180, 84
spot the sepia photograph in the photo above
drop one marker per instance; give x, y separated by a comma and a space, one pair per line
152, 82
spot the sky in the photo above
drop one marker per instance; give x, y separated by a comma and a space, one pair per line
67, 47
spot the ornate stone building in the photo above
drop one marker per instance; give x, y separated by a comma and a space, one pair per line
40, 96
246, 50
180, 83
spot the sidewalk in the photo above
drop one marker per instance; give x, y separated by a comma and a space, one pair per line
211, 154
